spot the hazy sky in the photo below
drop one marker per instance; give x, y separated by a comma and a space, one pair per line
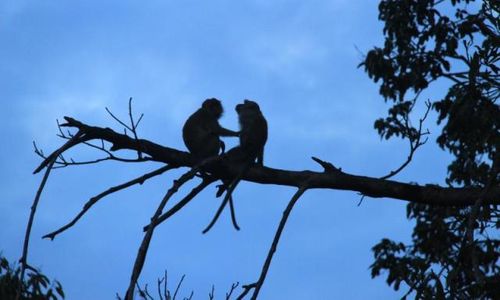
298, 59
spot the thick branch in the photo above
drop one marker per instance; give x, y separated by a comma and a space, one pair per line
373, 187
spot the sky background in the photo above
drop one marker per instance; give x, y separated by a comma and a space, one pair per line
298, 59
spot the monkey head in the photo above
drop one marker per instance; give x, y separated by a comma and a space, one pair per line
247, 106
248, 113
213, 106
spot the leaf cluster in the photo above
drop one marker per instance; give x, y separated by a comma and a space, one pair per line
36, 286
438, 264
423, 45
454, 251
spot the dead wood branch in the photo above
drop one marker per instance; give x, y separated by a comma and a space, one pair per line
374, 187
95, 199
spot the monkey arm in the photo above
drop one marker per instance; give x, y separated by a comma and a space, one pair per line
221, 131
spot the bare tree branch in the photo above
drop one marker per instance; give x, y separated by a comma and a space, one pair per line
178, 287
195, 191
143, 249
48, 163
233, 288
415, 142
373, 187
139, 180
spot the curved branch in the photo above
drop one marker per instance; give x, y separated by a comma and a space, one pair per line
415, 143
48, 163
139, 180
339, 180
143, 249
195, 191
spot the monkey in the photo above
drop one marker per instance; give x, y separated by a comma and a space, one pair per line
201, 132
253, 134
253, 137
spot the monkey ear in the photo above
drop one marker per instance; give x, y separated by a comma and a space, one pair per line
238, 108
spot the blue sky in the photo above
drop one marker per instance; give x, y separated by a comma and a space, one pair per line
298, 59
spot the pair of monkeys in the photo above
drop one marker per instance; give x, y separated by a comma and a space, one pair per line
202, 132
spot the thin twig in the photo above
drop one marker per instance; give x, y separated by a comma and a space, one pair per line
415, 143
178, 287
118, 120
158, 284
233, 288
139, 180
211, 294
134, 125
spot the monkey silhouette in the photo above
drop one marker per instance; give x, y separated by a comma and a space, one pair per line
253, 137
201, 132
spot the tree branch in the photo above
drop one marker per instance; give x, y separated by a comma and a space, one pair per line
139, 180
195, 191
373, 187
48, 163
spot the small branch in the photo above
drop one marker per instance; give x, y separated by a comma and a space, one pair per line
328, 167
195, 191
75, 140
24, 257
143, 249
246, 288
166, 292
233, 287
63, 163
211, 294
144, 293
415, 142
265, 268
178, 286
118, 120
134, 125
49, 164
139, 180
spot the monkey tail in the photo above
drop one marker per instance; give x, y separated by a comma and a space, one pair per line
227, 198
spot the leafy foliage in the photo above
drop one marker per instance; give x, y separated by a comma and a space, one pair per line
454, 251
36, 287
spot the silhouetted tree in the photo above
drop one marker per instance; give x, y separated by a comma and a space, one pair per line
455, 250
